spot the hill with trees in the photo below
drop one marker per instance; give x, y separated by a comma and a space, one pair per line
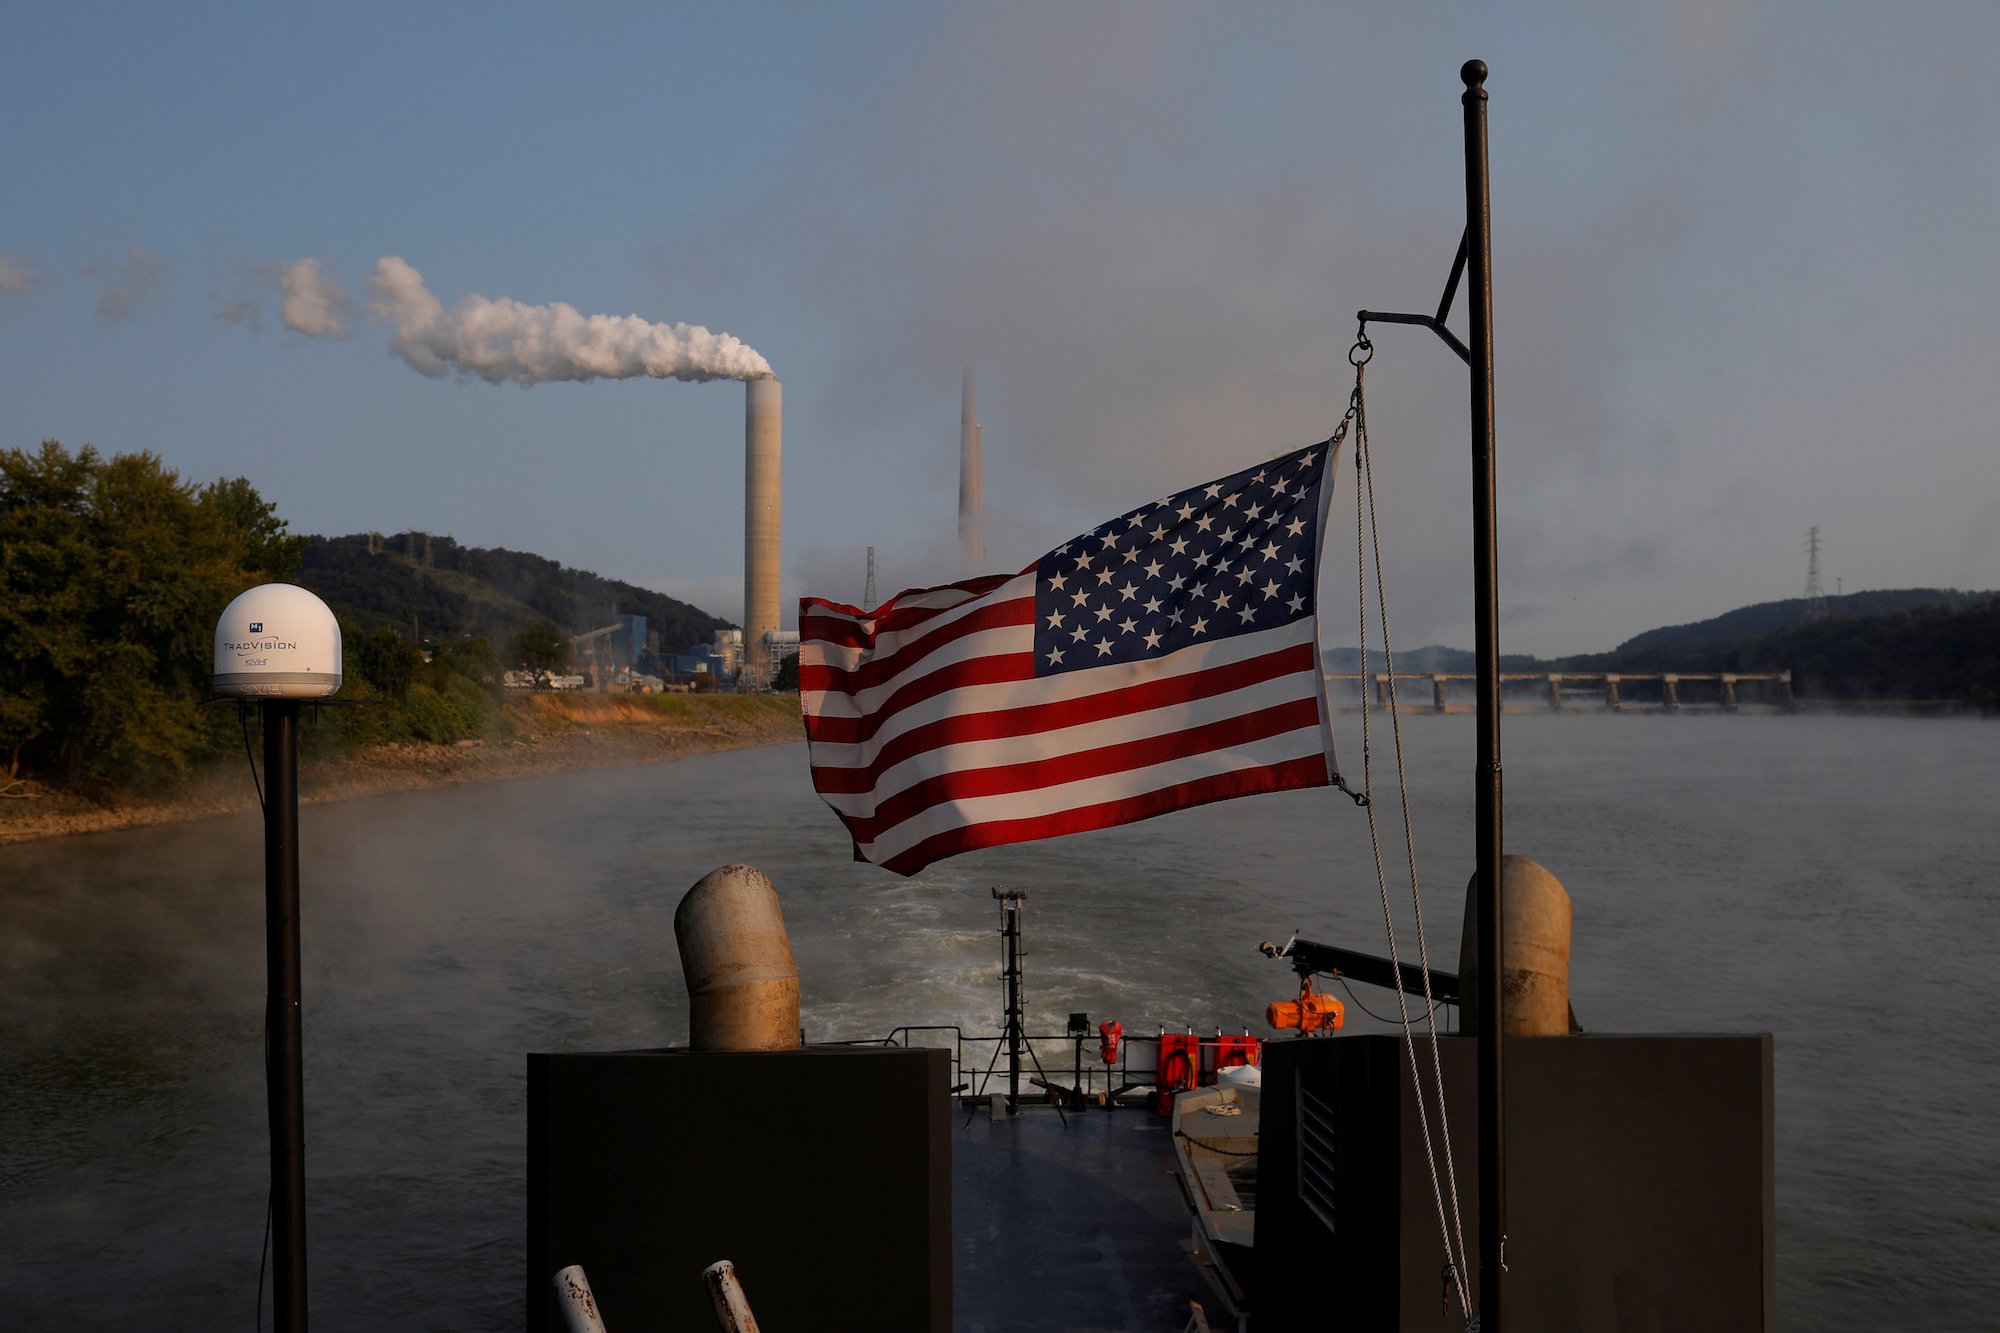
1908, 645
1941, 647
1780, 618
430, 585
113, 572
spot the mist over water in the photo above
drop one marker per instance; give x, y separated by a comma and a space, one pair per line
1825, 879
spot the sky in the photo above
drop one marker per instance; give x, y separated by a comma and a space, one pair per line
1743, 268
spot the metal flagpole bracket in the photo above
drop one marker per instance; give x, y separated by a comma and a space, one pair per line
1435, 323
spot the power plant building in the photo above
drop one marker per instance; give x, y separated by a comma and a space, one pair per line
628, 642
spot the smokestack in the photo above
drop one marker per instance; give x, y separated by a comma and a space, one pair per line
763, 402
971, 486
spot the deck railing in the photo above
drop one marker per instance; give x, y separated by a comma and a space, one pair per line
1068, 1065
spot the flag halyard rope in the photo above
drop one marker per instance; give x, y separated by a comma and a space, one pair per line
1367, 533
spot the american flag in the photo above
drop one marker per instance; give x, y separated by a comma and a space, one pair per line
1167, 659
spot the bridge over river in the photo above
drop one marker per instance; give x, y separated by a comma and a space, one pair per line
1558, 691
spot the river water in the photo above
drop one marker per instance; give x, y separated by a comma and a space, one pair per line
1826, 879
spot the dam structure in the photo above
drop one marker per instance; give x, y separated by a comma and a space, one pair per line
1563, 691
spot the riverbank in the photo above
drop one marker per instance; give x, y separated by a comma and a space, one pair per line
548, 733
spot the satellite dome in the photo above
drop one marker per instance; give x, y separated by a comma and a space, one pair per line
277, 641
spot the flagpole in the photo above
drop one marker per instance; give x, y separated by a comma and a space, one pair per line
1486, 633
1475, 262
282, 1015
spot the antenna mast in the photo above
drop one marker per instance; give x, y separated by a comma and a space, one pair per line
868, 596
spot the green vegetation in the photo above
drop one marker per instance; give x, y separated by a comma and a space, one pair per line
1776, 619
1907, 645
453, 697
542, 651
112, 574
114, 571
447, 591
1938, 653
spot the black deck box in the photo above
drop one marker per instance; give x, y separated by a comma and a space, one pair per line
822, 1174
1639, 1184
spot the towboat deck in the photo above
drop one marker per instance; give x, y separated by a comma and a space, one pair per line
1076, 1229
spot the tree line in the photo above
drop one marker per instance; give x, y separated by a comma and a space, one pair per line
452, 591
1909, 645
1940, 653
113, 572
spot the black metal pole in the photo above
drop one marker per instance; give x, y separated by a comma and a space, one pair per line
1486, 632
1013, 1006
283, 1070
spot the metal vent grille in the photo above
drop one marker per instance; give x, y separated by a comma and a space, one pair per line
1316, 1157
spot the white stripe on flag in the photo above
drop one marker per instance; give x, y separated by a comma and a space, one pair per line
1306, 742
975, 699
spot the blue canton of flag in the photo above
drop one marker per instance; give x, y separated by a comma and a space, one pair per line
1212, 562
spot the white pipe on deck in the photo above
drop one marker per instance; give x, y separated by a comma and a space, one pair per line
732, 1307
579, 1304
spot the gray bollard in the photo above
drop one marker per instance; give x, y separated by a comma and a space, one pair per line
743, 987
1534, 928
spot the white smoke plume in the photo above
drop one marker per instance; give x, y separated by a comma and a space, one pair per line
128, 283
313, 302
244, 303
534, 344
15, 275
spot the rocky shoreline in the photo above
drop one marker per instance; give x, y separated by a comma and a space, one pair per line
552, 734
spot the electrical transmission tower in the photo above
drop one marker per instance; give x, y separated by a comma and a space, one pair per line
1815, 590
868, 597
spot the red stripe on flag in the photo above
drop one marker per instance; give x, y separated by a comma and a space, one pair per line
1290, 775
999, 669
1083, 764
839, 626
881, 670
1032, 718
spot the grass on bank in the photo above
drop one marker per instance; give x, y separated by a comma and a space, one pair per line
386, 745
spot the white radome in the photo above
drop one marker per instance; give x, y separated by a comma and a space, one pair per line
277, 641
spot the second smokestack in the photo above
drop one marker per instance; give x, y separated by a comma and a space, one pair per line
763, 432
971, 486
